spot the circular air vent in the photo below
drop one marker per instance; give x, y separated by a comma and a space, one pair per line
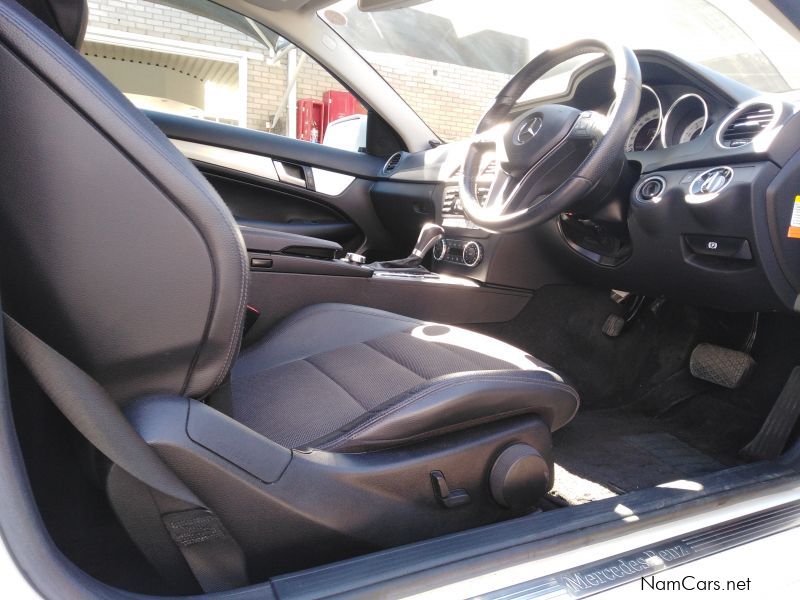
747, 122
392, 163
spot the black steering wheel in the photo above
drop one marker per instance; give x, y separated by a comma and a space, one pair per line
552, 156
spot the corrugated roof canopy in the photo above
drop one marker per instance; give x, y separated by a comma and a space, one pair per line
204, 69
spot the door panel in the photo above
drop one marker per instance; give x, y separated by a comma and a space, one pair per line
280, 183
256, 204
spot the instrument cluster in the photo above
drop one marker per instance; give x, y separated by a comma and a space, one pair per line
666, 119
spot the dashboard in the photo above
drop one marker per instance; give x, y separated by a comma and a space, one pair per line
704, 211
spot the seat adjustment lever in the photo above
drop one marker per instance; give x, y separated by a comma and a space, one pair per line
447, 497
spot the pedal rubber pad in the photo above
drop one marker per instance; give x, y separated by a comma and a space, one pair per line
772, 437
721, 366
614, 325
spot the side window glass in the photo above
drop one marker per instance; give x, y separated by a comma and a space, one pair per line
198, 59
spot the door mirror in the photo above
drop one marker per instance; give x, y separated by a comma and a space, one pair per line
347, 133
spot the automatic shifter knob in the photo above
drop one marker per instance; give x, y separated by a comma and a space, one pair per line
428, 236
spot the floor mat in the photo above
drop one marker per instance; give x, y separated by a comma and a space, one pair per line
570, 489
602, 453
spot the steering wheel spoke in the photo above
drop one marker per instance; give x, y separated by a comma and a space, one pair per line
501, 191
591, 125
490, 192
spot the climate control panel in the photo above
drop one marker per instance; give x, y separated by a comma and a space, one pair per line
460, 252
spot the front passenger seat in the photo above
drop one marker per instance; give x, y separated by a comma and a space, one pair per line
344, 430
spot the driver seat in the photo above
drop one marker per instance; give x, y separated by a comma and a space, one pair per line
346, 378
344, 430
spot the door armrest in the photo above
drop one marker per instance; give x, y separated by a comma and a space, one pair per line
258, 239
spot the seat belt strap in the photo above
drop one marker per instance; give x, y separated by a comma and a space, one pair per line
214, 557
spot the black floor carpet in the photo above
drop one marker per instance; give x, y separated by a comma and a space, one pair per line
644, 420
562, 325
602, 453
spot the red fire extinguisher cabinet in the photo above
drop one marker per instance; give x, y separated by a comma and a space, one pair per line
309, 118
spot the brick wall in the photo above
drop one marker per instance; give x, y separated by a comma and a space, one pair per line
449, 98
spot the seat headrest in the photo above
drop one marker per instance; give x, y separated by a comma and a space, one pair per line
67, 18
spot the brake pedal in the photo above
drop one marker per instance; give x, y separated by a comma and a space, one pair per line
721, 366
614, 323
771, 438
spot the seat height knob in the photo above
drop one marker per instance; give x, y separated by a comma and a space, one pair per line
519, 477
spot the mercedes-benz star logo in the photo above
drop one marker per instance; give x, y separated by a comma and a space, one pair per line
528, 130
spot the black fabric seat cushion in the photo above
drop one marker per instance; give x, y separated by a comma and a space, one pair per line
333, 368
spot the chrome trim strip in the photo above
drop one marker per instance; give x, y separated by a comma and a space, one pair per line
661, 117
326, 182
672, 107
330, 183
431, 278
244, 162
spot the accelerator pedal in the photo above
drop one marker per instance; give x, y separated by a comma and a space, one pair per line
721, 366
772, 437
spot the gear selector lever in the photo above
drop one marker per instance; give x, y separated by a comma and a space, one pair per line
428, 236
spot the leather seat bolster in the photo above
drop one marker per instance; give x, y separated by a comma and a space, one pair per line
454, 403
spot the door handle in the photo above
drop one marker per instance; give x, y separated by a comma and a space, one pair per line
286, 177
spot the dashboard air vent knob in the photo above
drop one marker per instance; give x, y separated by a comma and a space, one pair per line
711, 181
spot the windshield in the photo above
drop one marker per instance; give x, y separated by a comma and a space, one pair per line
449, 58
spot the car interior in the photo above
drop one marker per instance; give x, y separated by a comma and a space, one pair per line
223, 370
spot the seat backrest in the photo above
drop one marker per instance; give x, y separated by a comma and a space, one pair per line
115, 250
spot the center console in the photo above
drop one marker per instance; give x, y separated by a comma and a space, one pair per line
459, 252
463, 245
288, 272
458, 247
511, 260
